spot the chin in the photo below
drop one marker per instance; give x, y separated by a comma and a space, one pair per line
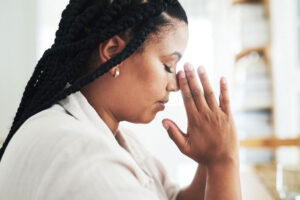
145, 119
149, 120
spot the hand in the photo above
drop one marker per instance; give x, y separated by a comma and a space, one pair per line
211, 137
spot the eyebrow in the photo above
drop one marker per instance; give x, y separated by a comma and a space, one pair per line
177, 54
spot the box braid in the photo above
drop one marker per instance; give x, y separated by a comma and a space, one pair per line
83, 26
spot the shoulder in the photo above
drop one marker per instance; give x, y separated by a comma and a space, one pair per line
54, 123
51, 132
53, 117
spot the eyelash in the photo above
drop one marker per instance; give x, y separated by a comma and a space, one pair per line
168, 68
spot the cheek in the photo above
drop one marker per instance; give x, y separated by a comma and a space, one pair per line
152, 76
140, 104
152, 85
147, 83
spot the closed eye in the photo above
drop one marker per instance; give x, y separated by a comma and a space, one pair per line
168, 69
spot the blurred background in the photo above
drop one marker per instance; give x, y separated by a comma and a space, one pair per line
255, 44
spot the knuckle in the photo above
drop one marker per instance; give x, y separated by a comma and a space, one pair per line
183, 81
224, 87
193, 119
225, 101
190, 74
196, 92
219, 119
204, 80
206, 117
229, 118
198, 122
209, 94
187, 95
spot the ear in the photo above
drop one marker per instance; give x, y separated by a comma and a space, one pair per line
111, 48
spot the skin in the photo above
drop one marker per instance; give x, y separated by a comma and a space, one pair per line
133, 96
211, 139
139, 101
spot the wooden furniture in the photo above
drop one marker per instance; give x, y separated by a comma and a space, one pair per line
246, 1
271, 142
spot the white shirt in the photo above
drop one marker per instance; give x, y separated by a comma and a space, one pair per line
67, 152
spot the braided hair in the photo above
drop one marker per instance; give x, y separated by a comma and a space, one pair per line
83, 26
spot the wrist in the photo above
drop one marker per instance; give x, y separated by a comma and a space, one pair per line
223, 180
228, 162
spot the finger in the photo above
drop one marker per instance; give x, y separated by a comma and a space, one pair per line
188, 100
224, 96
220, 99
196, 91
208, 92
179, 138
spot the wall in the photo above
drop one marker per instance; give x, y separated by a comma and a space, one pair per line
18, 55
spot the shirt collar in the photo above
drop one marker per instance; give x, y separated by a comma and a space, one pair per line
78, 106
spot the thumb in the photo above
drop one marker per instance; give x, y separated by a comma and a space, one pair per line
178, 137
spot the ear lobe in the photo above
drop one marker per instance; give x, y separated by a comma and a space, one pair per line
111, 48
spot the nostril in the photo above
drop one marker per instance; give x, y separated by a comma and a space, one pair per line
175, 90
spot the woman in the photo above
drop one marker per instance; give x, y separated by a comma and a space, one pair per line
115, 61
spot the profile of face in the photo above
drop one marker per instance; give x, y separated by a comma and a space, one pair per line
144, 78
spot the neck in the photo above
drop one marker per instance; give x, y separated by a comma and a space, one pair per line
109, 119
103, 111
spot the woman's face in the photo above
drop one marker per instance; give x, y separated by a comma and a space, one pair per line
144, 79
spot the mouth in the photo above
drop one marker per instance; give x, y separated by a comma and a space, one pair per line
162, 104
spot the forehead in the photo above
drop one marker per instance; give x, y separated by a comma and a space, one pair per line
173, 37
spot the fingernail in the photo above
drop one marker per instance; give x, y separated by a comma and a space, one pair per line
201, 70
166, 126
224, 81
188, 67
182, 75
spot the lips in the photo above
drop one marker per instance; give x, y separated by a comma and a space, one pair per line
164, 102
162, 105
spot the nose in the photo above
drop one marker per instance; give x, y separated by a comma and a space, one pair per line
173, 85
